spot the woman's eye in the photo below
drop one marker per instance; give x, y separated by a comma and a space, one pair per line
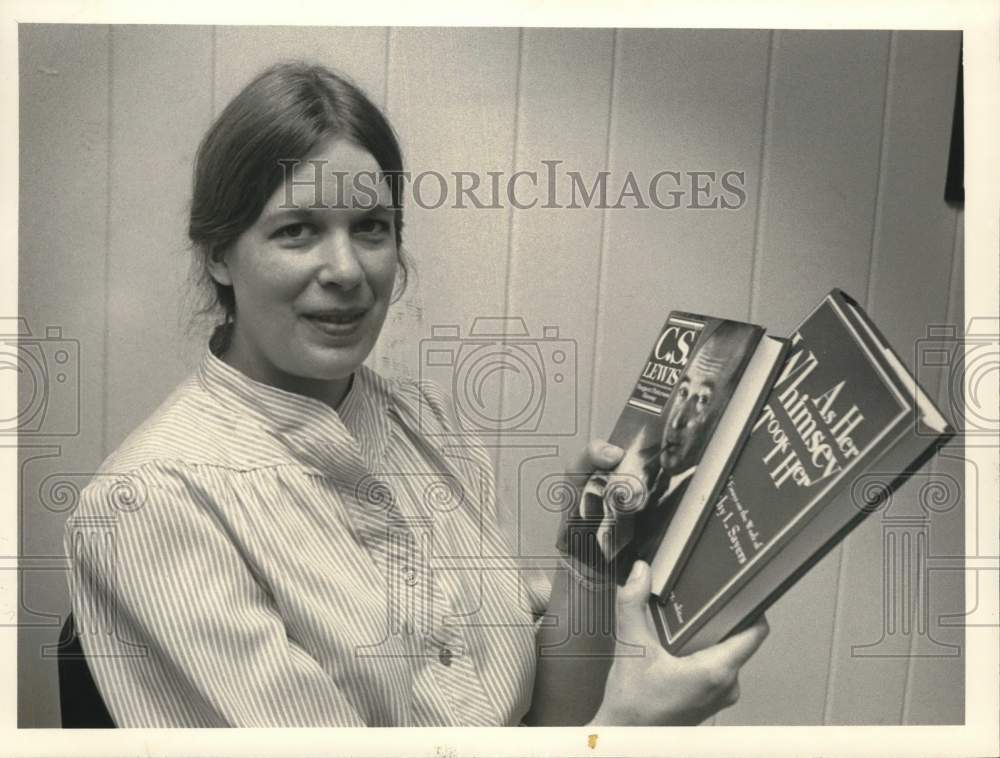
295, 233
374, 228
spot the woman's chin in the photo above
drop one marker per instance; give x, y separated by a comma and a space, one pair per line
332, 363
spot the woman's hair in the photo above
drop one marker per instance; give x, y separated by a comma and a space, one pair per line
285, 114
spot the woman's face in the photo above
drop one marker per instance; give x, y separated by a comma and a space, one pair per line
314, 275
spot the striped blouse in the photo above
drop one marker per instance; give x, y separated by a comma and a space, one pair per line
251, 557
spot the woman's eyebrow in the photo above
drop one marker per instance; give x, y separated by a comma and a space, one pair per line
379, 209
285, 213
295, 213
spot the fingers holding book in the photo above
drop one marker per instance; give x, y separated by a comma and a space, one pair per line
736, 649
646, 685
578, 538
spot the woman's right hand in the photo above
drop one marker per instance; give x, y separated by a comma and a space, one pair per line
647, 686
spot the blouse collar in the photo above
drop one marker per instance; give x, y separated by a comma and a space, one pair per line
349, 440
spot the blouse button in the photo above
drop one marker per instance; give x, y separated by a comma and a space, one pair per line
445, 656
409, 576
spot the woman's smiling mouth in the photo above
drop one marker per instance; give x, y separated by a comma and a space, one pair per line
338, 322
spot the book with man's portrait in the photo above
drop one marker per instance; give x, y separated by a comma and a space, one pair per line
699, 389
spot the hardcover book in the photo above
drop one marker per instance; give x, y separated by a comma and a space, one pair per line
687, 415
842, 407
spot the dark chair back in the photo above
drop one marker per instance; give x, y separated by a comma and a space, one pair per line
80, 701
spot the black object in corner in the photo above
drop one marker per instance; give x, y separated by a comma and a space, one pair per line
80, 702
954, 186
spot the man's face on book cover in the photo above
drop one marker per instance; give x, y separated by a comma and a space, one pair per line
697, 401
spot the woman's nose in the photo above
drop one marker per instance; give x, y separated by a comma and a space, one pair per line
338, 263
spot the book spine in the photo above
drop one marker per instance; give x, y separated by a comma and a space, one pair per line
733, 456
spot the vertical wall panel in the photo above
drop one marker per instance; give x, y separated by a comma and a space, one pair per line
823, 162
936, 682
61, 280
822, 153
562, 116
685, 101
452, 98
914, 238
243, 51
161, 105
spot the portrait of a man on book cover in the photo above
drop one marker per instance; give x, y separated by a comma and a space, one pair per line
664, 431
685, 425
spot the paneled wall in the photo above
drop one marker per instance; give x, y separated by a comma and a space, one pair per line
841, 138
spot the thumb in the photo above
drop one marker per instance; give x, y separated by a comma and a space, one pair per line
633, 599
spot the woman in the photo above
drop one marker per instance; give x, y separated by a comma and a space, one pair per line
275, 565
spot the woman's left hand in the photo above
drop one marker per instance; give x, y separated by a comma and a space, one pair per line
655, 688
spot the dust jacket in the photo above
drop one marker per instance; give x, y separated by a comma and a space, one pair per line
703, 375
843, 406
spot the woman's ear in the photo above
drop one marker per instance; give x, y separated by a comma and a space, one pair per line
218, 269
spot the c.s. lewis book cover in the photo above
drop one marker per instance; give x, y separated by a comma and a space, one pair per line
843, 407
697, 369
